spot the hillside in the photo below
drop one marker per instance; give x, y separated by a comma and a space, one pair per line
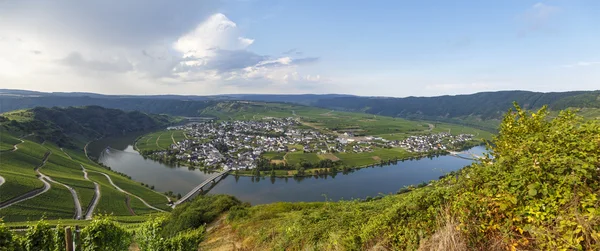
482, 110
537, 190
68, 127
45, 171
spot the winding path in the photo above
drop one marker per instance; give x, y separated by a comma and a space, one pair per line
128, 193
92, 206
90, 209
33, 193
78, 211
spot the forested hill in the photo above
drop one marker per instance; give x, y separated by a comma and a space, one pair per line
486, 104
72, 126
481, 106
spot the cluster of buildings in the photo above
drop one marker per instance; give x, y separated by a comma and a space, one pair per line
433, 142
238, 144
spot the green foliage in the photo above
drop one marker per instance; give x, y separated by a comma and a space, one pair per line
536, 190
6, 238
91, 122
187, 240
40, 237
149, 237
200, 211
105, 234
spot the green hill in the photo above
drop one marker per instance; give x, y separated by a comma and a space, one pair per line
68, 127
536, 190
44, 165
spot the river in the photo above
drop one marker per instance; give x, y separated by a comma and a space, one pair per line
357, 184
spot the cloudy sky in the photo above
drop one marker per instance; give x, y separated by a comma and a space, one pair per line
374, 48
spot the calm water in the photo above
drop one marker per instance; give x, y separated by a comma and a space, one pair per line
358, 184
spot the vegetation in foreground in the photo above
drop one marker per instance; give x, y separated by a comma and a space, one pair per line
183, 230
536, 190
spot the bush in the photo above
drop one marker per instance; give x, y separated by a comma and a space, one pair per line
202, 210
39, 237
149, 237
184, 241
105, 234
6, 238
237, 212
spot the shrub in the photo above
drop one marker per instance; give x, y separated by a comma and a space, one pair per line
105, 234
202, 210
6, 237
39, 237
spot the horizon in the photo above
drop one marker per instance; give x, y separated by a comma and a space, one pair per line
232, 47
292, 94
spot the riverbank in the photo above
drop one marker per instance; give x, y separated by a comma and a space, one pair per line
316, 172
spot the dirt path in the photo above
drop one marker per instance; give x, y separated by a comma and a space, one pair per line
173, 139
431, 126
157, 140
16, 146
128, 193
128, 203
221, 237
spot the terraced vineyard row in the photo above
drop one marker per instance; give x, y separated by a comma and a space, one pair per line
65, 166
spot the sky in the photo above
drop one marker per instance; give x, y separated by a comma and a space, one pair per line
368, 48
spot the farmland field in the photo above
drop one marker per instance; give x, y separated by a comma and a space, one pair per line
56, 203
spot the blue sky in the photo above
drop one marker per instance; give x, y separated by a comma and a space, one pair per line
375, 48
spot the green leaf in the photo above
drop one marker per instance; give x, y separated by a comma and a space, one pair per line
532, 192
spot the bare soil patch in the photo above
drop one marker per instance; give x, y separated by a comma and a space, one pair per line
376, 158
329, 156
277, 161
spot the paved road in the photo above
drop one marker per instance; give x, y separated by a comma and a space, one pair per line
78, 211
90, 210
125, 192
73, 192
34, 193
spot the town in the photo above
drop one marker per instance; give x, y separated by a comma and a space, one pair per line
237, 145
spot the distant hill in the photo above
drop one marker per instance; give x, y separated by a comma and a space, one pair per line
64, 126
473, 109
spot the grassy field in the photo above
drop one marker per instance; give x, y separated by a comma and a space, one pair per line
112, 201
65, 167
18, 170
273, 155
56, 203
295, 158
178, 136
371, 158
7, 141
149, 142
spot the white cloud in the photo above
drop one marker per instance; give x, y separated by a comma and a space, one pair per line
582, 64
104, 46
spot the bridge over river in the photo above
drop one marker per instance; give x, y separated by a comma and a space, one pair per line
210, 179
